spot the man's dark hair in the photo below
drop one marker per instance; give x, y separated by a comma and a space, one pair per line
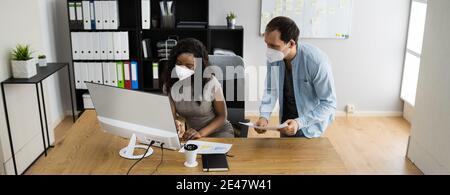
287, 27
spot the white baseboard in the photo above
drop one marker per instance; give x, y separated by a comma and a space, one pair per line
356, 114
371, 114
69, 113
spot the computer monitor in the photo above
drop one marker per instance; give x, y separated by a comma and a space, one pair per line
125, 113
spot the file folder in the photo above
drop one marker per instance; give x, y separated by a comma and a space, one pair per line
88, 45
103, 46
112, 74
77, 73
127, 74
155, 70
72, 12
105, 12
82, 45
84, 74
92, 14
98, 14
79, 14
92, 77
134, 75
109, 45
145, 8
117, 46
124, 45
98, 73
86, 15
146, 49
75, 45
95, 46
106, 74
114, 13
120, 80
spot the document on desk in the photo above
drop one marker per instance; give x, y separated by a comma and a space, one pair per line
271, 128
209, 147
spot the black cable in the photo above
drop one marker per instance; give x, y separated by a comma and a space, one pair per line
162, 157
143, 156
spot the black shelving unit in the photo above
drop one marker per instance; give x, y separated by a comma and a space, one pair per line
184, 10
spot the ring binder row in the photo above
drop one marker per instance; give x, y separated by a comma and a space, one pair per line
122, 74
100, 45
92, 15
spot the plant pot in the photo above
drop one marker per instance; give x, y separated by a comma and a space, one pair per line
24, 69
231, 23
42, 62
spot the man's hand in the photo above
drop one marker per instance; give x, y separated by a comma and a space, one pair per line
291, 129
262, 122
191, 134
180, 128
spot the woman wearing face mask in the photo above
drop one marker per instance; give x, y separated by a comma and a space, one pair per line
205, 117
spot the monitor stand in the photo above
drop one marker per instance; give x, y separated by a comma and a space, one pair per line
128, 152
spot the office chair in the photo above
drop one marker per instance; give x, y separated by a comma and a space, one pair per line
236, 109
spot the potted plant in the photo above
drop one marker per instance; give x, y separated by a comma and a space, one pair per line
231, 20
42, 60
23, 65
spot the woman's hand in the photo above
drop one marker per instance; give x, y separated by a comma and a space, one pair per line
180, 128
191, 134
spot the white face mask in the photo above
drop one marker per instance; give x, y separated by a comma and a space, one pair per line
274, 55
183, 72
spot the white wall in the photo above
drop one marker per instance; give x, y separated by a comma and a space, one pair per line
367, 67
429, 146
32, 22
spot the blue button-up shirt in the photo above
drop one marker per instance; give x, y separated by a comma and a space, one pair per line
314, 91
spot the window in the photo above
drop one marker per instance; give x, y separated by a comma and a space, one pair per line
413, 50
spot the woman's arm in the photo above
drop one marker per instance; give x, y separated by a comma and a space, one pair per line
178, 124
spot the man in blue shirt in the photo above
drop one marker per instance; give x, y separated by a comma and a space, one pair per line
299, 76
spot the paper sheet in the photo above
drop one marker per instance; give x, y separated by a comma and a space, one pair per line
209, 147
272, 128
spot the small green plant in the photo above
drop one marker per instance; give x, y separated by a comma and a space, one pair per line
41, 57
21, 53
231, 16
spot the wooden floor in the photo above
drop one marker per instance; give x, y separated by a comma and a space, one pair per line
367, 145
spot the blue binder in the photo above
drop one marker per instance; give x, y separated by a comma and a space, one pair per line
92, 10
134, 75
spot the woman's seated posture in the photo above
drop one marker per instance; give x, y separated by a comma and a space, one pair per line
205, 112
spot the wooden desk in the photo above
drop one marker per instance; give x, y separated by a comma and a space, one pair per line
88, 150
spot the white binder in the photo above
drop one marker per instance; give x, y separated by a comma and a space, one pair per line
77, 73
84, 74
114, 13
103, 45
106, 16
89, 45
112, 74
124, 45
91, 70
72, 12
75, 46
82, 39
117, 46
79, 11
145, 8
109, 45
86, 15
95, 45
98, 14
98, 73
106, 74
